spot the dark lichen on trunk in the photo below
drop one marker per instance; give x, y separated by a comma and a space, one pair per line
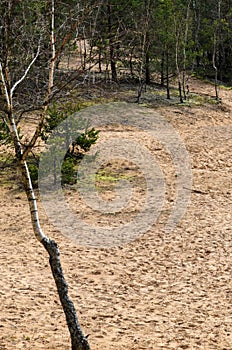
78, 340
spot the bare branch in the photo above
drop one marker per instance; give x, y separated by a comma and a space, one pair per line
55, 56
8, 100
26, 71
69, 34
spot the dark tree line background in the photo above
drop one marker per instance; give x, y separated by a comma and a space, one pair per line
141, 40
153, 40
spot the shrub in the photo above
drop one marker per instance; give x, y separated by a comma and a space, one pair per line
76, 148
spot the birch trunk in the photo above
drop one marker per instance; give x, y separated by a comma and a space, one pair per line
215, 44
111, 45
78, 340
184, 50
215, 69
177, 64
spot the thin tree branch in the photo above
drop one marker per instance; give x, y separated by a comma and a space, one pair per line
5, 87
26, 71
55, 55
68, 35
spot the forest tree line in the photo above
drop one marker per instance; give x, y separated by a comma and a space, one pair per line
145, 40
160, 38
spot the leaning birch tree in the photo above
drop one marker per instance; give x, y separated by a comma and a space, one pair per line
22, 63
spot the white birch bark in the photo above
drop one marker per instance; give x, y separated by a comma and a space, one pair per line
184, 48
177, 34
78, 340
53, 49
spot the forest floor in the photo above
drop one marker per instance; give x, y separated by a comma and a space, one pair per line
167, 291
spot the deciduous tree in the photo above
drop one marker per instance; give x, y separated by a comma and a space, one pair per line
28, 47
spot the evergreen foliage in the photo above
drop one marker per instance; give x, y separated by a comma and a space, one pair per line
76, 147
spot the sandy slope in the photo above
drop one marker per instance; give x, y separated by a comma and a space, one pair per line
162, 291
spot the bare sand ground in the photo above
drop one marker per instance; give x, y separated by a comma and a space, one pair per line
161, 291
